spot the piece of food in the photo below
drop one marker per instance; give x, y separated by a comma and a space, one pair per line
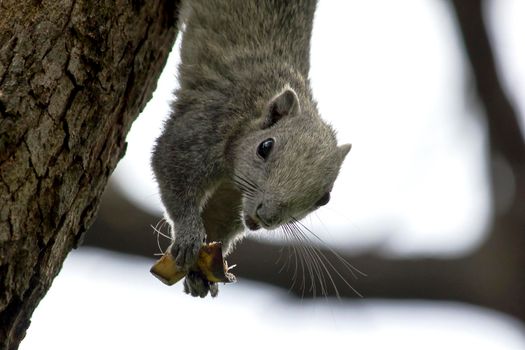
166, 270
210, 264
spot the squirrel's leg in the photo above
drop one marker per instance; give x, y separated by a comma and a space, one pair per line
188, 234
187, 162
222, 221
222, 216
186, 172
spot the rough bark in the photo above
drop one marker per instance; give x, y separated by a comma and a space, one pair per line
74, 74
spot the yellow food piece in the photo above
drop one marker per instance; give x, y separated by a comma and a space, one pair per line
166, 270
210, 264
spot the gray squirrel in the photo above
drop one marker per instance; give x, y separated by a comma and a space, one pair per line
244, 146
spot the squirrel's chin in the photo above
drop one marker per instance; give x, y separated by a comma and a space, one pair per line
251, 223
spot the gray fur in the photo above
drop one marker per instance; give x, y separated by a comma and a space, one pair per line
243, 79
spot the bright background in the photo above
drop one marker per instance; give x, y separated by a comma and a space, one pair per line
390, 76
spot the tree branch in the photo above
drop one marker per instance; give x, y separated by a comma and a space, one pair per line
505, 137
489, 277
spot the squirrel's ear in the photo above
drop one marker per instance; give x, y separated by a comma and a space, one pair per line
282, 105
344, 149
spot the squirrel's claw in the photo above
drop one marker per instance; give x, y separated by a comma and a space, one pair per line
185, 253
198, 286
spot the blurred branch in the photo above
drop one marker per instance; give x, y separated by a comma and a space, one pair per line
503, 252
485, 278
505, 137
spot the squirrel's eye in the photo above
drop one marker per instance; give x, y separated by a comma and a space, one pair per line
265, 148
324, 200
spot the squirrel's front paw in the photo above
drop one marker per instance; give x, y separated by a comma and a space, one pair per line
185, 252
198, 286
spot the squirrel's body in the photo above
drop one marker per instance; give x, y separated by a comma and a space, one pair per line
244, 142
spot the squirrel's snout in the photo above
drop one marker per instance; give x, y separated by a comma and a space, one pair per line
262, 215
267, 216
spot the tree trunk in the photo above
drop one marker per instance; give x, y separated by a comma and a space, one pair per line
74, 74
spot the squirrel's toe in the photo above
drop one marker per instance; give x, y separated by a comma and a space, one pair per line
198, 286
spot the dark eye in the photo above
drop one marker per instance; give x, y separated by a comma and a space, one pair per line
324, 200
265, 148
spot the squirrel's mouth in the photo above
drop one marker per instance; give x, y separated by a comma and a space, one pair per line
251, 223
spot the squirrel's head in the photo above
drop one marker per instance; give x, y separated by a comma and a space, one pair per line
287, 167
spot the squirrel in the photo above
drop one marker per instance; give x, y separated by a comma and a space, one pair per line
244, 146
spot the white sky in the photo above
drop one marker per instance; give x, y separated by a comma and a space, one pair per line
108, 301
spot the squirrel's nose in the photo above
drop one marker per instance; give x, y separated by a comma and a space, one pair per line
267, 216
